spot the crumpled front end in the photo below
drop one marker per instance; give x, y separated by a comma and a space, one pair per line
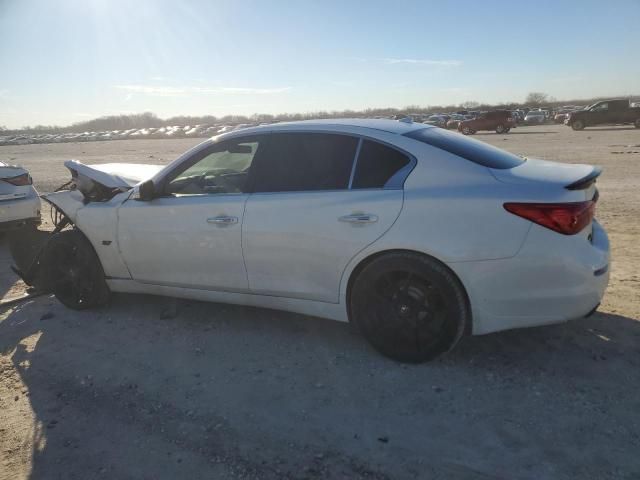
88, 184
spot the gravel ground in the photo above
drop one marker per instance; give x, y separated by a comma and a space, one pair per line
159, 388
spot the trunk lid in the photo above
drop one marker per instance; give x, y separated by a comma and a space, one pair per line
9, 191
576, 177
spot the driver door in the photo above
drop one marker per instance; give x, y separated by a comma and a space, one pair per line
190, 235
600, 114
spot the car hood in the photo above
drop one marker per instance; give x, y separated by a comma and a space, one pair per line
114, 175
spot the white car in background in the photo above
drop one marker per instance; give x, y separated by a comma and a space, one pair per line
416, 234
19, 201
535, 117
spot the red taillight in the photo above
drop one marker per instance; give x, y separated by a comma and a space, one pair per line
565, 218
20, 180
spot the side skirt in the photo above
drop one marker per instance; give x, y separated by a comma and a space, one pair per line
333, 311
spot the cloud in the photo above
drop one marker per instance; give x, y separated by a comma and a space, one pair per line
166, 91
420, 61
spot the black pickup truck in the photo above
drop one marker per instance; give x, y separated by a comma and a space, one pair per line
603, 113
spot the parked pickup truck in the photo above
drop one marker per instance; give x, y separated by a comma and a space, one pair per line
605, 112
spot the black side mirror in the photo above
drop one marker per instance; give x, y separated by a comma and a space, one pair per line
146, 191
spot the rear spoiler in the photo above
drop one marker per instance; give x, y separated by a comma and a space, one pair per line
585, 182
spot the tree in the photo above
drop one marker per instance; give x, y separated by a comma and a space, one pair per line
537, 98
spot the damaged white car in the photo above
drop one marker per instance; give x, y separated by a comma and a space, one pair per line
416, 234
19, 200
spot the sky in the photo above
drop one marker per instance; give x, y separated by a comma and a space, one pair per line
67, 61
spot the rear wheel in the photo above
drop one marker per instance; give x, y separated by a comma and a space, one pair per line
500, 128
410, 307
74, 273
577, 125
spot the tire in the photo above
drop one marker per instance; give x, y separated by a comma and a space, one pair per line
500, 128
637, 123
577, 125
468, 131
73, 271
409, 307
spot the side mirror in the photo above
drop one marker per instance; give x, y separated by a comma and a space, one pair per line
146, 191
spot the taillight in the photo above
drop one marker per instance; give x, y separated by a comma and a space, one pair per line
565, 218
20, 180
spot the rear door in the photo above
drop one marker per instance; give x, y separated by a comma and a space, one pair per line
620, 111
318, 199
600, 114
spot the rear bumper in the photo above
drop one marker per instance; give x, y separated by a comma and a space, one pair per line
16, 213
553, 278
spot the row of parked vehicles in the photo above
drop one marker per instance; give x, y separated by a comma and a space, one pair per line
466, 121
502, 121
176, 131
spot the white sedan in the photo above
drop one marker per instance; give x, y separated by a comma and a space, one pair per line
19, 201
416, 234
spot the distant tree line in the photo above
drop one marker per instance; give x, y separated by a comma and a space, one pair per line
148, 119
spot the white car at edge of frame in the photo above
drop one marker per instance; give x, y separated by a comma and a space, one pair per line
19, 200
415, 234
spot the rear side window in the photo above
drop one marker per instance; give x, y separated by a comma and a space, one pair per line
376, 165
305, 162
472, 150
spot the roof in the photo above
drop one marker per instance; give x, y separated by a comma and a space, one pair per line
392, 126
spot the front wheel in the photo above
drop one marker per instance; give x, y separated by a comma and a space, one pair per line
467, 131
577, 125
637, 123
410, 307
73, 271
500, 128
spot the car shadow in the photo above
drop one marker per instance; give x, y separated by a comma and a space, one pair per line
8, 279
158, 388
515, 133
606, 129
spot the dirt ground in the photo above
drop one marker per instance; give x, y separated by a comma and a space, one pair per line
156, 388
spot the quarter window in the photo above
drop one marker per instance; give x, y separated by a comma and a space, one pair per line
377, 164
305, 162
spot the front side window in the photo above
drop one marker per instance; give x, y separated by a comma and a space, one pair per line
377, 164
603, 107
224, 168
305, 162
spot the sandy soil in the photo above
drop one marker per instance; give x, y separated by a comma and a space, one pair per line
158, 388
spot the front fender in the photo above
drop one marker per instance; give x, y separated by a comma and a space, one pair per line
67, 201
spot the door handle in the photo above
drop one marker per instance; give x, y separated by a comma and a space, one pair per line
222, 220
359, 218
